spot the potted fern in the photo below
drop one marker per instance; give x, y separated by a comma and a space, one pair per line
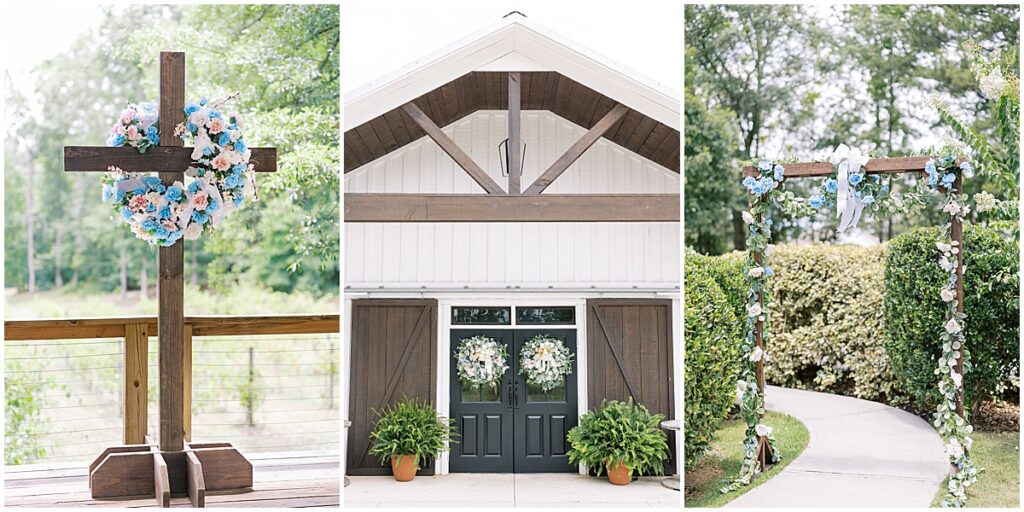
408, 432
620, 438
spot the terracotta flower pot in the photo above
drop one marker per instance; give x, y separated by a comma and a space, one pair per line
618, 473
404, 467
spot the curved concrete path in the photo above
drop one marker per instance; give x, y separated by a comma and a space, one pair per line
861, 454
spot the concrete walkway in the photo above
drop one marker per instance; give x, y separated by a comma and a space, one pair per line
861, 454
492, 490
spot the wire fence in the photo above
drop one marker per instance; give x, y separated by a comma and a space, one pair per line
64, 399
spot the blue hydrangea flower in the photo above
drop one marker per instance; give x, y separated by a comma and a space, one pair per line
231, 181
193, 187
238, 169
831, 185
175, 236
948, 179
780, 171
224, 139
212, 206
764, 165
115, 140
929, 167
108, 193
126, 213
190, 127
173, 193
139, 191
200, 217
161, 188
855, 179
967, 168
214, 114
150, 208
161, 232
816, 202
868, 199
190, 108
151, 181
119, 195
240, 145
165, 212
749, 182
151, 134
768, 272
149, 224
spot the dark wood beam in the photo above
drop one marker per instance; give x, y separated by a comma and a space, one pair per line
511, 208
515, 156
874, 166
170, 286
98, 158
577, 149
449, 146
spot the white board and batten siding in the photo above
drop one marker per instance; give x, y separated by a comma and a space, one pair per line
561, 255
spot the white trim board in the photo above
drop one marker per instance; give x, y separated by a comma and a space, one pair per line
513, 44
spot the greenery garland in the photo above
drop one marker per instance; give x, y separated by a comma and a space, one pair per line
765, 190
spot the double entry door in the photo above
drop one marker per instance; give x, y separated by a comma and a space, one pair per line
514, 427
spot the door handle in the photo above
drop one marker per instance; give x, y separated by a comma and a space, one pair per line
511, 394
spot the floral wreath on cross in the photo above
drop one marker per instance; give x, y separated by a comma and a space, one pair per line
481, 361
544, 360
874, 193
220, 175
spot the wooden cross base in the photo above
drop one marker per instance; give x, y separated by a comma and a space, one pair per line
764, 453
143, 469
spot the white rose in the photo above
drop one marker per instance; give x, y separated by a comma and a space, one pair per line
946, 264
755, 272
199, 117
741, 388
756, 354
952, 326
193, 231
951, 208
943, 247
953, 449
762, 429
948, 295
754, 310
957, 378
984, 202
748, 219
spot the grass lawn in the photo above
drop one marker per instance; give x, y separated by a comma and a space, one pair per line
999, 485
723, 461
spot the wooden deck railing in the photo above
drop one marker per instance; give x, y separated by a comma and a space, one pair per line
136, 332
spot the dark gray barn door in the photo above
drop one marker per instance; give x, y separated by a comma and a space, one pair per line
515, 427
543, 418
629, 354
483, 415
393, 354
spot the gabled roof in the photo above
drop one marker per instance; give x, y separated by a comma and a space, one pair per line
468, 75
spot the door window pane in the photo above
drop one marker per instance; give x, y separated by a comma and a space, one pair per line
475, 315
534, 393
475, 393
549, 315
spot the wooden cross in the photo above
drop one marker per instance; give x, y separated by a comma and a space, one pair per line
898, 165
172, 466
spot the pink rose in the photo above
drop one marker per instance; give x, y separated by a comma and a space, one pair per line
221, 162
137, 203
168, 225
216, 125
200, 200
132, 133
127, 115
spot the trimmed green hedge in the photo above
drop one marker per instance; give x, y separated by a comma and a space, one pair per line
914, 313
713, 335
825, 320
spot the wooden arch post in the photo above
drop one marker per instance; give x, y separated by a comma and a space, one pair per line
900, 165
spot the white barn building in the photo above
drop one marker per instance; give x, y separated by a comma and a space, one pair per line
449, 235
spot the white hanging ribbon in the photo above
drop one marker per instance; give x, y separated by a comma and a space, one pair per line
848, 206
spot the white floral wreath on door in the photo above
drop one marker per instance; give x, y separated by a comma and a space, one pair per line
544, 360
481, 361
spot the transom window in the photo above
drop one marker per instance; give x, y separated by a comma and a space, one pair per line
503, 315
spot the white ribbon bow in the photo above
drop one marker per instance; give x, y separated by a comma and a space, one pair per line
849, 206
